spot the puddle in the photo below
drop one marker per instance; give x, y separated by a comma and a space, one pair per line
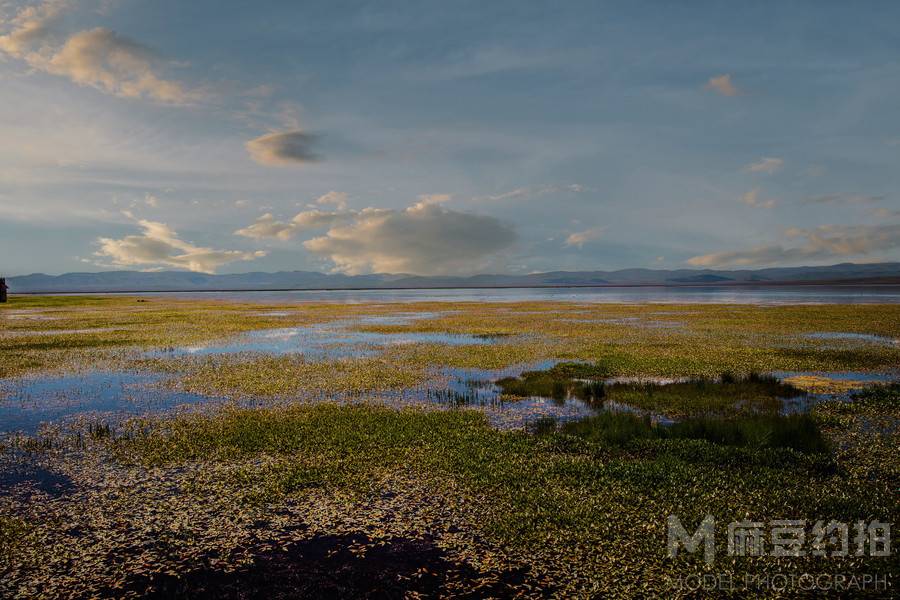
483, 390
858, 337
28, 315
28, 402
333, 340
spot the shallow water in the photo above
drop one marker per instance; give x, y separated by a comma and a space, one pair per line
26, 403
331, 340
859, 337
807, 294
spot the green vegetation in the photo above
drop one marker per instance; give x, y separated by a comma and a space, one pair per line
581, 506
286, 376
561, 486
562, 381
726, 396
12, 533
72, 332
798, 432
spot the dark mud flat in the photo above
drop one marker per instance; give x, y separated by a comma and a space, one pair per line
29, 478
340, 566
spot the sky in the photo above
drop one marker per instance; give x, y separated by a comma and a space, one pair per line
446, 137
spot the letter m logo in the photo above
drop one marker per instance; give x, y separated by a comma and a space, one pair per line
678, 536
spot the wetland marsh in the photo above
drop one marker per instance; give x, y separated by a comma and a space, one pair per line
200, 447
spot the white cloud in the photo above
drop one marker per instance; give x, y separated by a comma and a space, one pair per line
425, 238
268, 227
426, 199
516, 193
825, 242
580, 238
31, 30
159, 246
316, 219
752, 198
765, 164
98, 57
283, 149
722, 84
338, 199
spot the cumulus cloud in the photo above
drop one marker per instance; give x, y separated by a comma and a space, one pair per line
159, 246
284, 148
316, 219
30, 28
338, 199
268, 227
766, 164
98, 57
425, 238
752, 198
722, 84
580, 238
825, 242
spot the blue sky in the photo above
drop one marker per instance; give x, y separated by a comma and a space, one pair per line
446, 137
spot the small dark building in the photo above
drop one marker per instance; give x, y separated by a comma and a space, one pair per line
2, 289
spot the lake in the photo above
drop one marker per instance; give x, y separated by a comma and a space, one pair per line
807, 294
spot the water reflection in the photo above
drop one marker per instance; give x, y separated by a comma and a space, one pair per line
333, 340
27, 403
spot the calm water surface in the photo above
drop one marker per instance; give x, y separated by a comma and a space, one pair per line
886, 294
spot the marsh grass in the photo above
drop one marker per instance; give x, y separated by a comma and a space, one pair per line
797, 432
713, 339
882, 398
560, 382
570, 497
588, 505
728, 395
12, 535
288, 376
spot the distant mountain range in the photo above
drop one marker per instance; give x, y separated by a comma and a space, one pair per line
136, 281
